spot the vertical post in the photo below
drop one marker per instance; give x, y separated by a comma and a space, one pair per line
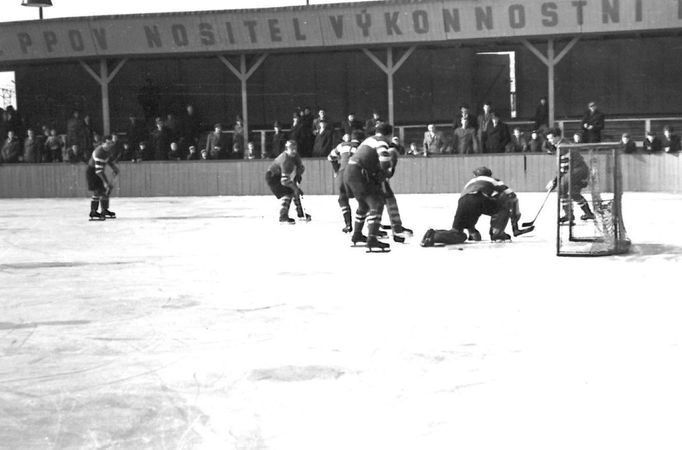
262, 143
389, 73
104, 89
245, 108
550, 80
40, 13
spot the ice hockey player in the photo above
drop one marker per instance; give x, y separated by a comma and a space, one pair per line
399, 231
284, 177
97, 179
364, 177
339, 157
579, 177
483, 194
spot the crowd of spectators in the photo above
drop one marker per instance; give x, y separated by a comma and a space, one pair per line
185, 137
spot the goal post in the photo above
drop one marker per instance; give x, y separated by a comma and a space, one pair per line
589, 181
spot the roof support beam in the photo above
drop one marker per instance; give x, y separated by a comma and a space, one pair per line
103, 78
243, 74
390, 68
550, 60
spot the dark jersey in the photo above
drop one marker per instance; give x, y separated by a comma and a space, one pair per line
374, 157
487, 186
287, 167
579, 169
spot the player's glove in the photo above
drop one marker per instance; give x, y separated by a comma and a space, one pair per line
551, 185
298, 179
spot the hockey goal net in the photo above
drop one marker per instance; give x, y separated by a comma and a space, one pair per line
590, 183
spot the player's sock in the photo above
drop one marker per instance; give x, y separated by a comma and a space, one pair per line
345, 211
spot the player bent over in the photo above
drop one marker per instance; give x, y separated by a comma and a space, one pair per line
98, 182
283, 177
339, 158
364, 176
399, 231
579, 177
483, 194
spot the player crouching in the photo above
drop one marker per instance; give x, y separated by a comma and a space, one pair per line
97, 180
283, 177
483, 194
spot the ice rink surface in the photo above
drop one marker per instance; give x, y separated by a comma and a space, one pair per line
202, 323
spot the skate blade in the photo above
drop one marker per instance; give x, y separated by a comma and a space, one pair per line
93, 219
378, 250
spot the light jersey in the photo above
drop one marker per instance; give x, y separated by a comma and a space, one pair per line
372, 155
488, 186
343, 152
99, 159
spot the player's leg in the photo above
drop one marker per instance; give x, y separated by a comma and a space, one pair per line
399, 231
95, 185
299, 209
468, 212
283, 194
577, 197
344, 204
104, 207
510, 202
355, 184
375, 200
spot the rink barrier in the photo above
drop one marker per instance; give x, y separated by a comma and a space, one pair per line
436, 174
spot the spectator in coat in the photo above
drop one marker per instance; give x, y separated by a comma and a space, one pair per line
11, 149
192, 153
160, 141
351, 124
135, 132
651, 143
432, 140
307, 138
323, 140
371, 124
142, 153
670, 141
89, 132
321, 117
464, 113
277, 142
190, 127
592, 124
296, 133
541, 118
629, 145
484, 121
465, 140
216, 143
175, 153
76, 137
518, 142
238, 137
496, 136
536, 142
53, 147
33, 147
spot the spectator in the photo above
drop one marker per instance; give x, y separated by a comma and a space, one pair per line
277, 142
14, 121
432, 140
371, 124
3, 125
11, 149
160, 141
536, 142
464, 113
216, 145
296, 133
592, 124
89, 134
670, 141
142, 153
135, 132
321, 117
251, 152
484, 121
53, 147
192, 154
190, 127
651, 143
75, 137
577, 138
117, 149
127, 153
496, 136
33, 146
518, 142
307, 139
351, 124
414, 150
541, 118
238, 137
173, 127
175, 153
323, 140
628, 144
465, 138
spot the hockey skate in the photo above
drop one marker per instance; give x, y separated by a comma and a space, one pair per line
500, 236
108, 214
373, 244
587, 216
474, 235
358, 237
305, 218
402, 233
95, 216
428, 239
287, 221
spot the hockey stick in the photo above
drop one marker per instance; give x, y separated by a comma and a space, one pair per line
530, 224
299, 194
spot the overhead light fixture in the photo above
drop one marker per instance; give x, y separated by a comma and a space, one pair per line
37, 3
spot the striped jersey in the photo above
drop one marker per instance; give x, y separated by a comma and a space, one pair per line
488, 186
100, 157
374, 156
343, 152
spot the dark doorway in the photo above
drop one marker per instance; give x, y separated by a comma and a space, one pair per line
495, 81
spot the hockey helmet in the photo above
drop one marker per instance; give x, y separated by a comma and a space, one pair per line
483, 171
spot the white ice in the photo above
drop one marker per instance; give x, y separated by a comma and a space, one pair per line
203, 323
